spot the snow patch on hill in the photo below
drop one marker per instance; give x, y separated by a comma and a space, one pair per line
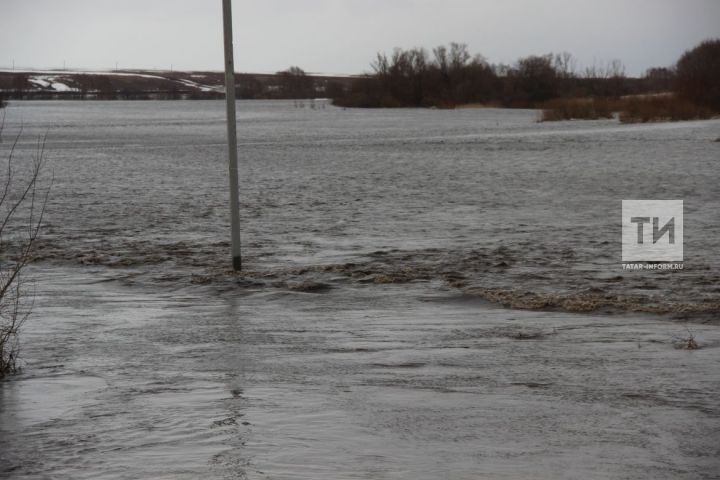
50, 82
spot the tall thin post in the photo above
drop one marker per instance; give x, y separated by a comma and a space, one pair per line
231, 134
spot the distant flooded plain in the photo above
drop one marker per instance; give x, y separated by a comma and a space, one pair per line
426, 294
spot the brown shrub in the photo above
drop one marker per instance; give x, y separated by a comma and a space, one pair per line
661, 108
577, 108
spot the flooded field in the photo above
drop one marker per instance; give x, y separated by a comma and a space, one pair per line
428, 294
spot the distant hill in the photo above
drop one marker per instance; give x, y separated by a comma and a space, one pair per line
162, 85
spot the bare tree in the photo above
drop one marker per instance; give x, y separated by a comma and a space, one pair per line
565, 64
536, 77
295, 83
22, 206
441, 59
459, 55
698, 75
604, 70
21, 83
381, 66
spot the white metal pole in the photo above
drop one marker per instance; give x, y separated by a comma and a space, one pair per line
231, 134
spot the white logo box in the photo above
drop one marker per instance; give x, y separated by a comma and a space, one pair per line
650, 218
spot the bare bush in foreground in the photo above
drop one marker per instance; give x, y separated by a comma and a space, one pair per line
22, 206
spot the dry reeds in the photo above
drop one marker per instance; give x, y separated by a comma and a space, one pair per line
661, 108
635, 109
577, 109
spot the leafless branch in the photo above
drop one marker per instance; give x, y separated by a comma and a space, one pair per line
22, 209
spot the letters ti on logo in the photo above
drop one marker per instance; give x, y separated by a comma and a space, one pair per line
652, 230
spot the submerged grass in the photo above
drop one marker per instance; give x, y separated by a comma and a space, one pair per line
632, 109
688, 342
577, 109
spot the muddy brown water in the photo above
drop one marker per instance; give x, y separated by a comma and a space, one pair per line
370, 335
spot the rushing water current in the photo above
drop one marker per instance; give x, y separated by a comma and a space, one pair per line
426, 294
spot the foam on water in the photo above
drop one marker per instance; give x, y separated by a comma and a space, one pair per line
372, 381
488, 200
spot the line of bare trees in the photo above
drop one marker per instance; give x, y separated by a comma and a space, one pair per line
450, 75
292, 83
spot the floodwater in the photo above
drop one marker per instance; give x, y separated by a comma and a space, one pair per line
427, 294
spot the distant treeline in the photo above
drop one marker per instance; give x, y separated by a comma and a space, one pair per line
292, 83
451, 76
446, 77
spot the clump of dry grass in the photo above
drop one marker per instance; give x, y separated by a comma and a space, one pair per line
529, 335
661, 108
576, 109
688, 342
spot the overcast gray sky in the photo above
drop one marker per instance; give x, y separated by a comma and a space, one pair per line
342, 36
